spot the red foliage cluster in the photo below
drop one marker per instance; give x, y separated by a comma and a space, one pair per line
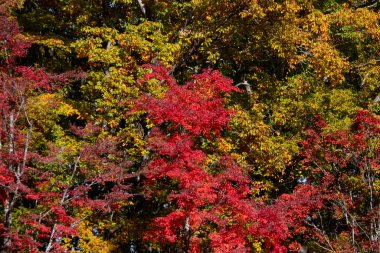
15, 84
344, 166
49, 217
209, 208
196, 106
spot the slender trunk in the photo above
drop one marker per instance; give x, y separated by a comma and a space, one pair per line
142, 7
64, 196
353, 233
50, 244
10, 195
6, 240
187, 233
11, 128
373, 230
378, 228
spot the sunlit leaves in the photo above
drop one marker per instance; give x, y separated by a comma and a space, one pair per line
344, 165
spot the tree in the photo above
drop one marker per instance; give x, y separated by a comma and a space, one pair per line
343, 165
42, 189
300, 58
17, 82
205, 195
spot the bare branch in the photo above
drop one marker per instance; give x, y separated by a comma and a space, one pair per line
247, 86
142, 7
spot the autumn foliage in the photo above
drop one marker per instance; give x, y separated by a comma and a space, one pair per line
343, 164
189, 126
210, 205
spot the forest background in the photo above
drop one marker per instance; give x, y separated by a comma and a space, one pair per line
189, 126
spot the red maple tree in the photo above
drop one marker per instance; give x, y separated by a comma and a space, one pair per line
16, 82
48, 206
344, 166
208, 207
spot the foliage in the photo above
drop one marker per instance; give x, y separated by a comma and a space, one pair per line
344, 165
121, 129
40, 192
208, 207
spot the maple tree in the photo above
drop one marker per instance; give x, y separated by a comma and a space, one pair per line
16, 83
207, 204
134, 139
344, 165
36, 189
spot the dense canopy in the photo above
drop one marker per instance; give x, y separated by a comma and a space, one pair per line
189, 126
